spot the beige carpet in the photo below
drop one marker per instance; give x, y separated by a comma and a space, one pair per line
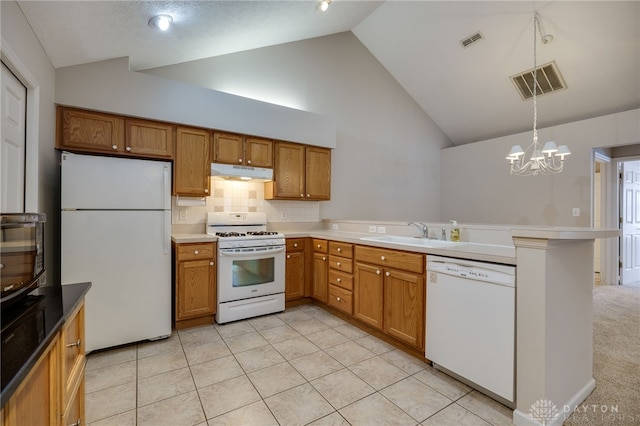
616, 359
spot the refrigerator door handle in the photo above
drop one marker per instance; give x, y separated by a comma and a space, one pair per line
166, 230
166, 180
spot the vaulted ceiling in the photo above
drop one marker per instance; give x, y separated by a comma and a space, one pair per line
467, 91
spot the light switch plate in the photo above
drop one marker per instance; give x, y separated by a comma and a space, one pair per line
372, 228
382, 230
576, 211
334, 226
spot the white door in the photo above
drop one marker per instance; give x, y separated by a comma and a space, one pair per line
630, 222
13, 109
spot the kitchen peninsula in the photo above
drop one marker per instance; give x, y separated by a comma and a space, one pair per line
555, 274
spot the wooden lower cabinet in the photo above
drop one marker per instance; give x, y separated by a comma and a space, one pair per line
53, 391
195, 283
389, 293
295, 269
404, 302
368, 294
320, 262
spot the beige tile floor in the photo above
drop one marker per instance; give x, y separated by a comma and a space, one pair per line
302, 366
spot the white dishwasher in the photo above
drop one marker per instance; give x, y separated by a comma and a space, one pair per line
471, 323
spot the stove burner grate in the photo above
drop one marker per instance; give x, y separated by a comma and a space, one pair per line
230, 234
262, 233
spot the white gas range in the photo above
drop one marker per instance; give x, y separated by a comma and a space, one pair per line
251, 263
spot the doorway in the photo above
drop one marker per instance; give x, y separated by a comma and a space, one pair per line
616, 204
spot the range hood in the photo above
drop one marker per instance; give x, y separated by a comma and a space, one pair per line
241, 173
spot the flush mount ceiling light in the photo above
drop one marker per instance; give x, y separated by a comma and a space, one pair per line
161, 22
323, 5
547, 159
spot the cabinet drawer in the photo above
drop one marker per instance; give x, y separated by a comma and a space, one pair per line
392, 258
195, 251
341, 279
295, 244
320, 246
341, 299
340, 263
73, 355
341, 249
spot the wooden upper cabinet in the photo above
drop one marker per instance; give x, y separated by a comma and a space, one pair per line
149, 138
250, 151
96, 132
318, 173
191, 164
88, 131
300, 172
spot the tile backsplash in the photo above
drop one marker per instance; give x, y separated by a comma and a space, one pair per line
234, 196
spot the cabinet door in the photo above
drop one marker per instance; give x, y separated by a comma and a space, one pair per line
258, 152
192, 164
73, 354
149, 138
320, 279
294, 278
228, 148
196, 290
368, 292
89, 131
288, 173
35, 402
318, 173
404, 307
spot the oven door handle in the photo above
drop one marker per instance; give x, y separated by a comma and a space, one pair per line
252, 253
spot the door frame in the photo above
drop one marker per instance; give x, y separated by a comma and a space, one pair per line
21, 71
608, 209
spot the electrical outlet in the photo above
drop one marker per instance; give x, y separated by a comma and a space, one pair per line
334, 226
576, 211
283, 214
372, 228
382, 229
182, 213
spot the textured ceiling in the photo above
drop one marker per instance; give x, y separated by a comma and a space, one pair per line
466, 91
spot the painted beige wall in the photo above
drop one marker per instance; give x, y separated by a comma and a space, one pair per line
477, 187
20, 46
386, 165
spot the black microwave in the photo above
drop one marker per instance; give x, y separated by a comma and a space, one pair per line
21, 255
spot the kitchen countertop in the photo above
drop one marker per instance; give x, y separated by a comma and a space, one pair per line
466, 250
29, 326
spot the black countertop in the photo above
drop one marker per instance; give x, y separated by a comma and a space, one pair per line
29, 326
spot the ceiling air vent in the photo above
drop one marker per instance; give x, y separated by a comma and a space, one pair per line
471, 39
549, 80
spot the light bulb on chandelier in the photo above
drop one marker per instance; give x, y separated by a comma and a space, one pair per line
547, 159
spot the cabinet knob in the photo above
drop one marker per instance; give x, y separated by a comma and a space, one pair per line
128, 149
295, 244
338, 299
196, 252
248, 161
301, 195
76, 423
114, 146
288, 256
319, 245
308, 195
377, 271
339, 280
382, 258
206, 191
324, 258
339, 249
338, 264
75, 344
210, 263
239, 160
388, 274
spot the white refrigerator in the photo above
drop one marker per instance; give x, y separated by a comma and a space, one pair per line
116, 233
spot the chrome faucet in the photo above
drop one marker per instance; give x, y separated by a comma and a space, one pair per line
424, 230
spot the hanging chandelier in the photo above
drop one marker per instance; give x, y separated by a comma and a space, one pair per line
544, 159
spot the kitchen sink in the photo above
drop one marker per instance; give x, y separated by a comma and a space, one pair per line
412, 241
